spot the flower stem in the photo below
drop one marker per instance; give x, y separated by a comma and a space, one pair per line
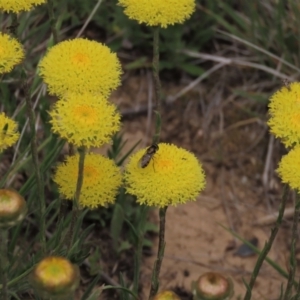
297, 296
139, 248
38, 174
76, 202
263, 254
52, 21
157, 85
3, 262
160, 253
293, 263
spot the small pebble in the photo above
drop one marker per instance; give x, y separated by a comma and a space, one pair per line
244, 250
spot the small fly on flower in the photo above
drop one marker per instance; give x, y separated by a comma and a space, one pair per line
146, 158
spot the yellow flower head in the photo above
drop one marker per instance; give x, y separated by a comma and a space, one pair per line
8, 132
11, 53
80, 66
284, 108
158, 12
172, 176
101, 180
289, 168
85, 120
55, 276
17, 6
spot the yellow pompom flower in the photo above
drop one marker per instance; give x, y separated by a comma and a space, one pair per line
80, 66
289, 168
284, 109
55, 276
172, 176
101, 180
158, 12
8, 132
85, 119
11, 53
17, 6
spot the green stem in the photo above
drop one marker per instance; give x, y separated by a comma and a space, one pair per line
52, 21
157, 85
76, 202
139, 251
3, 263
298, 291
293, 263
63, 212
82, 154
263, 254
38, 174
160, 253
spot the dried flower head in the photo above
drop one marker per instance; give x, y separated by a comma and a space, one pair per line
284, 109
101, 180
11, 53
166, 295
13, 208
172, 176
158, 12
8, 132
55, 276
85, 119
17, 6
212, 286
80, 66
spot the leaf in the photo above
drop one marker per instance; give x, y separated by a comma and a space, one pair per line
139, 63
87, 294
192, 69
94, 262
257, 97
120, 162
147, 243
116, 224
151, 227
125, 245
96, 294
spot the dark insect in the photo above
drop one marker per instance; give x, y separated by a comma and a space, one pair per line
145, 160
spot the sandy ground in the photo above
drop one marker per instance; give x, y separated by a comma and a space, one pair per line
232, 147
196, 243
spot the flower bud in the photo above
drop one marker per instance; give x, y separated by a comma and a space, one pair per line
55, 277
13, 208
212, 286
166, 295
